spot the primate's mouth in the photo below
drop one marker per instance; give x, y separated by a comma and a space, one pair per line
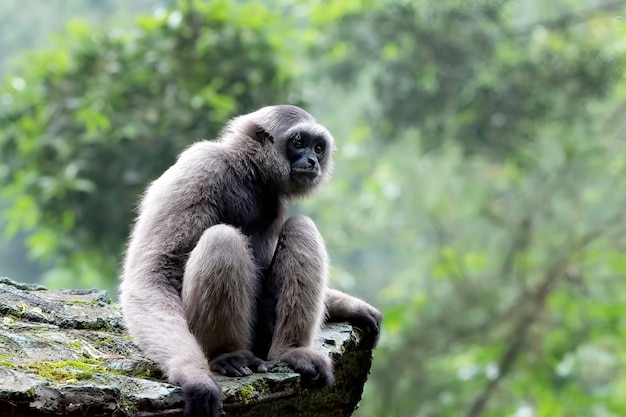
304, 172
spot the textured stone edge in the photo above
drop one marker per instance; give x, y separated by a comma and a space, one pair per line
47, 337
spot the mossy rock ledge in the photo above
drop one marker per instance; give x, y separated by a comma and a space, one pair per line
67, 353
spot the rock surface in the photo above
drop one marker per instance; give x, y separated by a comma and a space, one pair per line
66, 353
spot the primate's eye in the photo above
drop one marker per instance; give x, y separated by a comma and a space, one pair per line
319, 149
297, 141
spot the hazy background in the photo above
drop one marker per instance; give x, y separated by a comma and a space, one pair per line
480, 192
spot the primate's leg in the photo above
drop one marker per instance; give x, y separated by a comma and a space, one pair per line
218, 297
299, 273
344, 307
265, 319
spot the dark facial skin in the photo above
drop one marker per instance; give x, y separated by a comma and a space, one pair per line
305, 152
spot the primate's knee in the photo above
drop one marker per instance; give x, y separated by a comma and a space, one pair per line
218, 290
300, 255
300, 238
299, 227
221, 262
221, 249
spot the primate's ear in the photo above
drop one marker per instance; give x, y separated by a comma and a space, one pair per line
262, 136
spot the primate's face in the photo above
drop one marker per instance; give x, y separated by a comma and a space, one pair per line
306, 152
295, 150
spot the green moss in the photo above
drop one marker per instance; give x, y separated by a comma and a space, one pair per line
6, 361
245, 394
129, 406
8, 364
76, 301
76, 344
8, 322
83, 363
90, 302
54, 372
68, 371
252, 391
103, 341
143, 373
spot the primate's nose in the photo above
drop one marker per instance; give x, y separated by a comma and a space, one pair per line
312, 162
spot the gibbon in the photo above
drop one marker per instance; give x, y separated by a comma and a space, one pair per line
216, 279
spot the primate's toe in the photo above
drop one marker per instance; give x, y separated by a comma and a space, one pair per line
238, 363
369, 321
315, 369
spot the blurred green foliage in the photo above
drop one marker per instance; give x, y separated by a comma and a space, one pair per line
480, 181
467, 72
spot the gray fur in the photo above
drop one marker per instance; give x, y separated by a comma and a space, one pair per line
218, 268
210, 236
301, 265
